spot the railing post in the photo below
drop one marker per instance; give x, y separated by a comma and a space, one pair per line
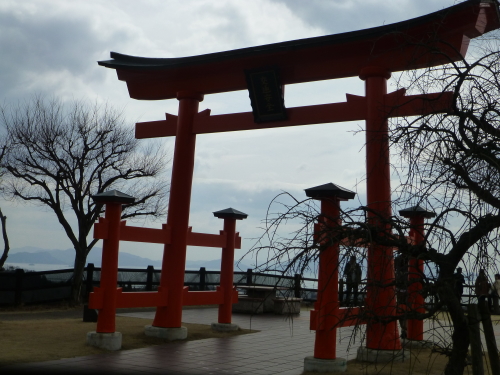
89, 282
149, 278
249, 276
89, 315
203, 274
18, 299
297, 281
341, 290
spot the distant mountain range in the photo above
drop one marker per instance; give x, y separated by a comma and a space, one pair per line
35, 255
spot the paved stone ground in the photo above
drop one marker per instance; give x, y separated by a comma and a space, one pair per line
279, 348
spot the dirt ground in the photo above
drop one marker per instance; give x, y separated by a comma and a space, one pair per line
36, 334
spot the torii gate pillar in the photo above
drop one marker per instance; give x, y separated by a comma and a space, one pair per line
174, 257
380, 300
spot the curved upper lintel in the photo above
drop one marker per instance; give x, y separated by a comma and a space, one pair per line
395, 47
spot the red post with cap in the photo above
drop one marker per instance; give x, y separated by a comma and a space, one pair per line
109, 267
327, 303
417, 214
230, 216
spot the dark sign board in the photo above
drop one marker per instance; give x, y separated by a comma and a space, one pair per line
266, 95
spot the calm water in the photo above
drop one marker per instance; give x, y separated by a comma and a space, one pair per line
50, 267
38, 267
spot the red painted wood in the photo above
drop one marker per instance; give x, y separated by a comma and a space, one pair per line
206, 240
226, 272
340, 58
140, 299
101, 229
163, 236
327, 303
380, 300
415, 269
315, 114
192, 298
174, 255
161, 128
149, 235
96, 298
109, 269
342, 318
354, 109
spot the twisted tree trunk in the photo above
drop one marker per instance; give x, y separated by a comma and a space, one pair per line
6, 248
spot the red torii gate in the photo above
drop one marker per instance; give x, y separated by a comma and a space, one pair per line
371, 54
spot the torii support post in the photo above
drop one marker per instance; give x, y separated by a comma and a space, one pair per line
416, 214
230, 216
174, 256
105, 336
327, 304
380, 299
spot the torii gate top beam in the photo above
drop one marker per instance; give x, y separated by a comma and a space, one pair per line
394, 47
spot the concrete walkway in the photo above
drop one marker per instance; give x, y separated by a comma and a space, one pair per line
279, 348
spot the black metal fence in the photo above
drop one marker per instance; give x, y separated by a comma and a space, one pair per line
20, 287
26, 287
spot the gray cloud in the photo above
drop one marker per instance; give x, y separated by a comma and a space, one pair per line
336, 16
52, 47
36, 46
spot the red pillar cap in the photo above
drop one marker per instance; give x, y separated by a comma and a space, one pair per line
113, 196
230, 213
330, 191
416, 211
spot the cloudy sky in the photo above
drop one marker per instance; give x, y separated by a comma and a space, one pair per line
51, 47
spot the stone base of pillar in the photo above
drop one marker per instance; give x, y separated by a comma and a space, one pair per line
325, 365
224, 327
108, 341
170, 334
417, 344
380, 356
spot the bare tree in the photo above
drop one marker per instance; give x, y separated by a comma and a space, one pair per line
448, 163
452, 164
61, 154
3, 220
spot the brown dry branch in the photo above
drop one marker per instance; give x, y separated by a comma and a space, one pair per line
448, 163
60, 154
